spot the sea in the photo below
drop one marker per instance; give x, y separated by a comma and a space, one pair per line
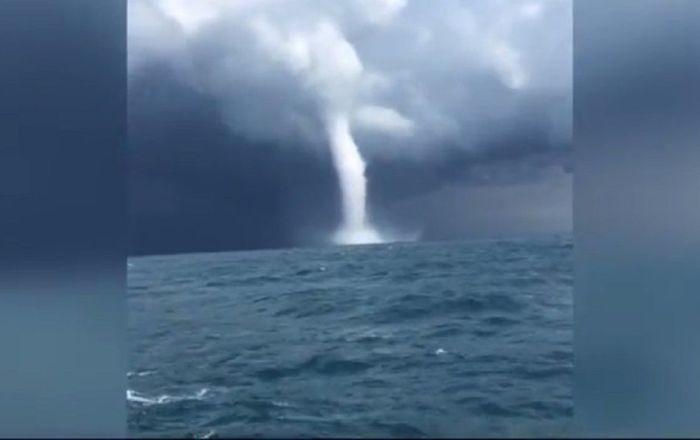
409, 340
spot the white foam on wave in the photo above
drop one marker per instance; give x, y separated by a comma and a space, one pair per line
367, 334
136, 397
209, 434
139, 373
281, 404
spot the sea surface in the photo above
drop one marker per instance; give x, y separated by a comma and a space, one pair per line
441, 339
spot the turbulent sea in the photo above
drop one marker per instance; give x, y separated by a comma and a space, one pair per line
442, 339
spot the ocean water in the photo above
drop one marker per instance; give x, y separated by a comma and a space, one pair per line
440, 339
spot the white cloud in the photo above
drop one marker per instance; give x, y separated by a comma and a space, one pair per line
532, 10
429, 73
381, 11
385, 120
507, 63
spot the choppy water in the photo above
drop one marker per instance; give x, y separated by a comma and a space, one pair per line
405, 340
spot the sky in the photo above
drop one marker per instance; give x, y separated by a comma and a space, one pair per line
461, 111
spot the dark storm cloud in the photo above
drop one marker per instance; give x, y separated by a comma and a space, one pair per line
226, 144
195, 185
517, 183
533, 206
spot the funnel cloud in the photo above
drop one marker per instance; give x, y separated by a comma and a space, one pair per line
356, 228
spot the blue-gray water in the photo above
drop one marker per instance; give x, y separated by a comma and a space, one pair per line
405, 340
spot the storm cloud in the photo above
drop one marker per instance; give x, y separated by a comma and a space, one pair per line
226, 140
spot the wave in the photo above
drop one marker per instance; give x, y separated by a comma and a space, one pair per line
139, 373
142, 399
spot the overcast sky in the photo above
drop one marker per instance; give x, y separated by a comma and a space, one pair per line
462, 110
